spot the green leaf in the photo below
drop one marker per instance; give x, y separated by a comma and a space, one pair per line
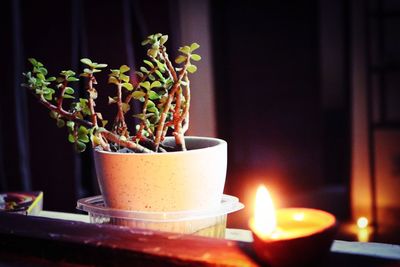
40, 76
112, 79
48, 90
79, 146
101, 66
84, 107
194, 46
124, 78
196, 57
153, 95
70, 125
143, 69
138, 94
185, 49
86, 61
153, 110
142, 116
152, 52
53, 114
192, 68
88, 71
160, 65
104, 122
67, 73
48, 97
138, 73
159, 74
150, 104
82, 130
127, 86
51, 79
84, 138
60, 123
155, 84
111, 100
71, 138
151, 77
145, 42
72, 79
125, 107
95, 139
42, 70
115, 73
124, 68
145, 85
69, 91
163, 39
149, 63
32, 61
95, 70
69, 97
180, 59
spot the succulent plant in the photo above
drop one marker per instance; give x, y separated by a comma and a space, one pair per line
162, 89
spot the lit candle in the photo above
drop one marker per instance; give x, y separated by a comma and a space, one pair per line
277, 233
363, 229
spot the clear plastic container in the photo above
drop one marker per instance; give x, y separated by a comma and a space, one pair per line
210, 223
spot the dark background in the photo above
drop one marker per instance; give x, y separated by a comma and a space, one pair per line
282, 83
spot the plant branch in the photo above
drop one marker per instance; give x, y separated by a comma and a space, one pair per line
120, 123
91, 103
184, 119
62, 112
169, 64
167, 105
61, 96
125, 143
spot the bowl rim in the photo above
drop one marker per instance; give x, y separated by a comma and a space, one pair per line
95, 207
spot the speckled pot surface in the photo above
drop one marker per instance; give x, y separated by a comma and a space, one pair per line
173, 181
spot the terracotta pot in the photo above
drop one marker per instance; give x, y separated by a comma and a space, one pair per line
188, 180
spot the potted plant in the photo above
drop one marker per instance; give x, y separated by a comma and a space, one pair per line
138, 166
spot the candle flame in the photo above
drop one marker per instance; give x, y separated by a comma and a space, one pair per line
362, 222
264, 213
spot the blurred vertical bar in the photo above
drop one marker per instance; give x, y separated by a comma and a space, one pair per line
194, 21
21, 118
127, 27
361, 188
76, 21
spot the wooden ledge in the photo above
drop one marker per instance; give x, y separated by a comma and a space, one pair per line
105, 245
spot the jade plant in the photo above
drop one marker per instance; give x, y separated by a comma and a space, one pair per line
161, 88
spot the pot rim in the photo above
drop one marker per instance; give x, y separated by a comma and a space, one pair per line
220, 142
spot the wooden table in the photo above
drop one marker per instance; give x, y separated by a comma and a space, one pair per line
62, 239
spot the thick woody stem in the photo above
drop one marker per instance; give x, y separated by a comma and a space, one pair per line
61, 96
184, 119
169, 64
167, 105
120, 115
179, 139
125, 143
62, 112
91, 103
